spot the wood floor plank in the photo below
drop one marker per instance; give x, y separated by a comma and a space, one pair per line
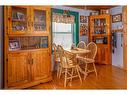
109, 77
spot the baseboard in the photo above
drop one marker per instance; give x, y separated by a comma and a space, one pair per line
32, 83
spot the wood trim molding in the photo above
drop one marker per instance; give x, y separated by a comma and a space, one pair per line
92, 7
125, 37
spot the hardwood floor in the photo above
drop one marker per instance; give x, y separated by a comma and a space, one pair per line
109, 77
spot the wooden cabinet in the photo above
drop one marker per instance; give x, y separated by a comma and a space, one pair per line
29, 66
18, 19
17, 71
102, 55
27, 43
39, 19
101, 35
27, 19
40, 64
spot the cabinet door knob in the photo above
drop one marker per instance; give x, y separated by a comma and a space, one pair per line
9, 18
32, 24
32, 61
28, 61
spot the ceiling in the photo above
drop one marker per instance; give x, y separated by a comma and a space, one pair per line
94, 7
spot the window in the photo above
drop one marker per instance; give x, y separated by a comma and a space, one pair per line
63, 34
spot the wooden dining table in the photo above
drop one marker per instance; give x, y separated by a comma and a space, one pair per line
77, 52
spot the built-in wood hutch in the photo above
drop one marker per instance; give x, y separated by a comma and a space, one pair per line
27, 46
100, 34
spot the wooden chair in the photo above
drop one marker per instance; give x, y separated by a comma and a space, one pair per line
68, 66
56, 58
82, 45
90, 58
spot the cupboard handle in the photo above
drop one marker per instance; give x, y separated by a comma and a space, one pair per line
28, 24
32, 24
9, 19
32, 61
28, 61
121, 40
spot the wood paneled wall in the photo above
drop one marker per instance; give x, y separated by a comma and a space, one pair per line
125, 37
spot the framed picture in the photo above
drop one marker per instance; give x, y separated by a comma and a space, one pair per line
83, 19
14, 45
83, 29
116, 18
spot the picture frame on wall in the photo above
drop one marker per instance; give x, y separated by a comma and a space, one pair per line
83, 29
14, 45
116, 18
83, 19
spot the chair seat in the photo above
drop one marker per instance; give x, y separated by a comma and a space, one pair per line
70, 64
86, 60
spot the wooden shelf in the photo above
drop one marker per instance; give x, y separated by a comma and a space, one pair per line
117, 30
18, 51
99, 35
18, 20
100, 26
101, 44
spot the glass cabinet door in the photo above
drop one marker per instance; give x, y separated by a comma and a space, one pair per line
39, 19
18, 19
100, 26
27, 42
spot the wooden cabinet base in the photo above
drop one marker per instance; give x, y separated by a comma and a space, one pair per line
32, 83
103, 55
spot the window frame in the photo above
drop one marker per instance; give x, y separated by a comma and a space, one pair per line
65, 33
75, 25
